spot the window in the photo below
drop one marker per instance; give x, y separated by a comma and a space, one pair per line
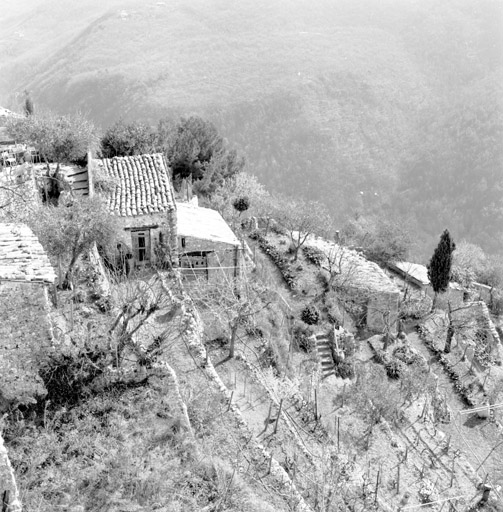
141, 246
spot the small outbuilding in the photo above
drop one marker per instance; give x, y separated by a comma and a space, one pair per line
417, 275
207, 245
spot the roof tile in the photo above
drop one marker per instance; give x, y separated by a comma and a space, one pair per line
143, 184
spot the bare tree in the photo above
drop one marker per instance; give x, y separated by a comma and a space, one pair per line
301, 219
232, 302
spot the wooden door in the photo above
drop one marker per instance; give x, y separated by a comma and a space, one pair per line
141, 247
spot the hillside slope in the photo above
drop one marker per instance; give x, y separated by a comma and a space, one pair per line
328, 100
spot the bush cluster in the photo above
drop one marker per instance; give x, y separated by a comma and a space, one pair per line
313, 255
310, 315
302, 336
394, 368
278, 259
345, 370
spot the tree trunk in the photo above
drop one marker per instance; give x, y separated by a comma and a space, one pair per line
232, 345
450, 330
68, 276
448, 339
434, 303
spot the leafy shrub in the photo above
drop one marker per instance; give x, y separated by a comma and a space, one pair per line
241, 204
302, 336
313, 255
345, 370
310, 315
323, 280
254, 332
394, 368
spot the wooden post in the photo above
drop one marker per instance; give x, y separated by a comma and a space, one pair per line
316, 405
398, 480
60, 272
269, 465
424, 407
343, 394
268, 418
338, 434
485, 378
406, 452
5, 501
277, 418
377, 486
55, 293
230, 401
235, 382
71, 314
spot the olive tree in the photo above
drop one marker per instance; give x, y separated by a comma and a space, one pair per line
67, 231
58, 138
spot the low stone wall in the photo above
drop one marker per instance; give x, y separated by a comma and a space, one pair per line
8, 487
193, 336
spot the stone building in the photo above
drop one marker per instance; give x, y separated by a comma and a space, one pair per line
26, 276
416, 275
139, 191
365, 284
140, 194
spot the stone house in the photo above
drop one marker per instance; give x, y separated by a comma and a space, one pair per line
366, 285
138, 190
416, 275
140, 194
26, 277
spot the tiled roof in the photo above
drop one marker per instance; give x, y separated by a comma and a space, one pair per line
142, 184
22, 257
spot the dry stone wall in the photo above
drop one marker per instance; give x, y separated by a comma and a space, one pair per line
193, 336
8, 488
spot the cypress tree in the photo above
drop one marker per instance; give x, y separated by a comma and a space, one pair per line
439, 268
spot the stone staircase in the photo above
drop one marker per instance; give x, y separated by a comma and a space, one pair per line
324, 355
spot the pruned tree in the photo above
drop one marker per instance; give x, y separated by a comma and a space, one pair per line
66, 232
301, 219
240, 185
439, 268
